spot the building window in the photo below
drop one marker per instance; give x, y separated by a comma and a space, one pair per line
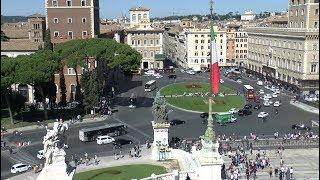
69, 20
196, 53
69, 3
196, 41
221, 41
139, 17
196, 47
302, 12
221, 53
202, 60
71, 71
55, 20
313, 68
84, 20
84, 34
138, 42
157, 42
56, 34
202, 41
296, 12
202, 47
151, 41
316, 24
145, 54
302, 24
196, 61
152, 54
132, 42
145, 42
144, 16
70, 34
134, 17
83, 3
54, 3
195, 35
316, 12
202, 35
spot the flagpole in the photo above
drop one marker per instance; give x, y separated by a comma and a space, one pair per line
211, 26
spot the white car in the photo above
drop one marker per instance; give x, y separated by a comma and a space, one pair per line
20, 167
270, 101
276, 104
149, 73
221, 81
191, 72
40, 154
158, 76
233, 119
269, 96
263, 114
105, 139
239, 81
261, 91
274, 95
260, 83
233, 110
266, 103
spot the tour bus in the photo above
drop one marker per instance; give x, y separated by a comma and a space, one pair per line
150, 86
90, 134
249, 92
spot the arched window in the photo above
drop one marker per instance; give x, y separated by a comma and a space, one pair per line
139, 17
144, 16
134, 17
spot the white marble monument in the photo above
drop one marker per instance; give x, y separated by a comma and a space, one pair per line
55, 167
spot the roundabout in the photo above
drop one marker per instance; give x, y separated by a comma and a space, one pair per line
193, 97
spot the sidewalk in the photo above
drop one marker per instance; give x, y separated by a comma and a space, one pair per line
305, 107
107, 161
27, 128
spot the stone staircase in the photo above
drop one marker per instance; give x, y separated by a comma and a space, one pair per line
305, 163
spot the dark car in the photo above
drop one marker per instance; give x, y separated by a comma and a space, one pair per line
257, 106
175, 142
118, 143
247, 106
204, 115
172, 76
176, 122
244, 112
301, 127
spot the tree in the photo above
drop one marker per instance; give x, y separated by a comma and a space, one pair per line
47, 40
3, 37
37, 70
8, 75
63, 88
92, 88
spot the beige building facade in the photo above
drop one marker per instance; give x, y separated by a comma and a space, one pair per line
241, 46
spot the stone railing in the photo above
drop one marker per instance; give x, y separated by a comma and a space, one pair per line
175, 175
285, 29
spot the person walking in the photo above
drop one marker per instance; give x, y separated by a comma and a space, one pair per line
270, 172
291, 172
95, 159
276, 171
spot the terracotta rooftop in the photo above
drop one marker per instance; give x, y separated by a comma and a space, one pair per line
19, 45
15, 30
140, 8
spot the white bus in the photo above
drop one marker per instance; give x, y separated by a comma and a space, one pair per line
150, 86
90, 134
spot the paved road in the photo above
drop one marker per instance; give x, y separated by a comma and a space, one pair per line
139, 122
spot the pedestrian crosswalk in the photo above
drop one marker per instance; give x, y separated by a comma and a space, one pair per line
21, 156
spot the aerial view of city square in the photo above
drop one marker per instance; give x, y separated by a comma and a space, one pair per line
159, 89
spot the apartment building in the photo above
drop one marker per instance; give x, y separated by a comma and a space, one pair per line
144, 38
190, 47
72, 19
241, 46
288, 56
231, 44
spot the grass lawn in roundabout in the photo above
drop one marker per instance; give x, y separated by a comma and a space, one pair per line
200, 103
137, 171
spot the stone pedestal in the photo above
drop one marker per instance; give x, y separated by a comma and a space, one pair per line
55, 171
210, 161
160, 140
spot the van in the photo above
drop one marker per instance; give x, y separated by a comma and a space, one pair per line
105, 139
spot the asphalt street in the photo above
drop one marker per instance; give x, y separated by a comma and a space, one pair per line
139, 122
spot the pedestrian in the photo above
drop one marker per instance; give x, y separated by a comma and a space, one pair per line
10, 150
291, 172
86, 155
95, 160
270, 172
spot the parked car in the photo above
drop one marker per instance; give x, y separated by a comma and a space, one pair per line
261, 91
40, 154
221, 81
300, 127
105, 139
172, 76
20, 167
276, 104
257, 106
118, 143
204, 115
263, 114
233, 110
239, 81
244, 112
260, 83
149, 73
269, 96
247, 106
274, 95
158, 76
266, 103
191, 72
176, 122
